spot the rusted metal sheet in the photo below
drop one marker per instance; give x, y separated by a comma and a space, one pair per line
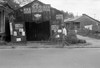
37, 11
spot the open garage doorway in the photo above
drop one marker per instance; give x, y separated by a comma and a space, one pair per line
37, 31
7, 31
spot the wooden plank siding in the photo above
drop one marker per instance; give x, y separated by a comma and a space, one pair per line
48, 14
2, 19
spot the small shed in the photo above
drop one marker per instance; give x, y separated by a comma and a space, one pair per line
71, 24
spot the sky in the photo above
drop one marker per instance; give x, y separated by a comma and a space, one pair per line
78, 7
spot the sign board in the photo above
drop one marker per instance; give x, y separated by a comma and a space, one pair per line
18, 32
36, 7
18, 26
27, 10
37, 17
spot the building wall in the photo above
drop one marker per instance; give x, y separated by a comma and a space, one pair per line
87, 21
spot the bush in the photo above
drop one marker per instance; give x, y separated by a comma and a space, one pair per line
71, 39
81, 41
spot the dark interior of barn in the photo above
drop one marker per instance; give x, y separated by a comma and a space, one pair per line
7, 31
36, 31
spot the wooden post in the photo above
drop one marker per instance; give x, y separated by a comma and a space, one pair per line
2, 26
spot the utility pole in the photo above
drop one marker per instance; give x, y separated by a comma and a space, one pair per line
94, 15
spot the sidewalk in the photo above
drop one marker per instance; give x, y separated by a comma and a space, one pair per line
91, 43
39, 45
30, 45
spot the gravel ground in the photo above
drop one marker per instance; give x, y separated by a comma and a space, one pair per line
91, 43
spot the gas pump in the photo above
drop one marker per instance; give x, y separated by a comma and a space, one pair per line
18, 32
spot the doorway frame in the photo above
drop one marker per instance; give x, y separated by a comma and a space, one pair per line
50, 32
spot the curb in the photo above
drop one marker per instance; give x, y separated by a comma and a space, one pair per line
38, 45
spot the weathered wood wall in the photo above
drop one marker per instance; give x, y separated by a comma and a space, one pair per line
37, 11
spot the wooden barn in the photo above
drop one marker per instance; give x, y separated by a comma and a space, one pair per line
35, 21
85, 22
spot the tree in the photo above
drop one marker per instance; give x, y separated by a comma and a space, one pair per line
71, 15
13, 4
22, 2
68, 15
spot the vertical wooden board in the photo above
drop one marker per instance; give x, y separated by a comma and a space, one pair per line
2, 22
27, 17
46, 16
19, 15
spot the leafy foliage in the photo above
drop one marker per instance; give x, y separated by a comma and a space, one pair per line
68, 15
22, 2
11, 3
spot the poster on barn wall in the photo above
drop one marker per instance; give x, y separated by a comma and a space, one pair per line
37, 12
37, 7
37, 17
60, 18
27, 10
18, 32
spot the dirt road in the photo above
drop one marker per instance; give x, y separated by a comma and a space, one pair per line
93, 42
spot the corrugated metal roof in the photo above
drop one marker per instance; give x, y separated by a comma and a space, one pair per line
77, 19
71, 19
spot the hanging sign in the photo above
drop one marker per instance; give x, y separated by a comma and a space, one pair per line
18, 26
27, 10
59, 16
37, 16
46, 8
36, 7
